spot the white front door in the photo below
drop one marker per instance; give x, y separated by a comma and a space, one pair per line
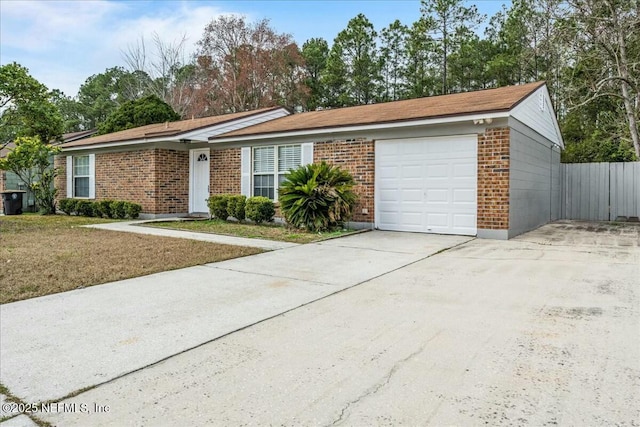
199, 180
427, 185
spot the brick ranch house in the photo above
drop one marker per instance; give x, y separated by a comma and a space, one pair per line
483, 163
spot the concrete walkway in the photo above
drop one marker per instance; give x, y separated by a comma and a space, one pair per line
134, 227
55, 345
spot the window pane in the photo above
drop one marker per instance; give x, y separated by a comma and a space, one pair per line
263, 186
263, 159
81, 187
289, 157
81, 166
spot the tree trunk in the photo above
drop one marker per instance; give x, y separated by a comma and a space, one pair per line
624, 85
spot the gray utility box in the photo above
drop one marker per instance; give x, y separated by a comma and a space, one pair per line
12, 201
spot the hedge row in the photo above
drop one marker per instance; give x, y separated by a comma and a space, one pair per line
257, 209
104, 208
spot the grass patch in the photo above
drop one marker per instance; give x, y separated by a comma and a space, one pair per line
42, 255
254, 231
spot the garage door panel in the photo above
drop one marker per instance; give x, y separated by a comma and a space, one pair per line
464, 170
411, 149
411, 218
413, 183
437, 196
412, 171
437, 220
390, 196
437, 171
464, 196
388, 171
464, 220
427, 184
412, 195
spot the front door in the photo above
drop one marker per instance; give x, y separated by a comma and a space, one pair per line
199, 180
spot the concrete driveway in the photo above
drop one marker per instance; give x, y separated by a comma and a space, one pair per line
55, 345
542, 329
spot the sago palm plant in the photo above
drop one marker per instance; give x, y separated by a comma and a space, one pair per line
317, 196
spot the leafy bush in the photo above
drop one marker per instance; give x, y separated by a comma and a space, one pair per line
218, 206
85, 208
132, 209
68, 206
260, 209
103, 208
317, 196
236, 207
45, 192
118, 209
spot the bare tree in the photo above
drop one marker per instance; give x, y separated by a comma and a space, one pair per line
605, 30
252, 65
165, 71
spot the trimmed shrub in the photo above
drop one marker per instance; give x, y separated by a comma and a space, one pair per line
236, 207
260, 209
103, 208
68, 206
218, 206
85, 208
118, 210
132, 209
317, 197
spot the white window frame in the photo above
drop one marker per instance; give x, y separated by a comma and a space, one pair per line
71, 177
276, 173
76, 176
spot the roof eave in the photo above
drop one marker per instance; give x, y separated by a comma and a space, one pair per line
173, 137
493, 114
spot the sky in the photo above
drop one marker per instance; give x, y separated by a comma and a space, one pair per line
62, 43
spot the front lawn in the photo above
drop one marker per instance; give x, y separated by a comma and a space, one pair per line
262, 231
41, 255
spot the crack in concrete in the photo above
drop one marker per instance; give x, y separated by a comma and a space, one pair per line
313, 282
385, 380
214, 339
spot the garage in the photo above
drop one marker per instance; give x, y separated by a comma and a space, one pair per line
483, 163
427, 185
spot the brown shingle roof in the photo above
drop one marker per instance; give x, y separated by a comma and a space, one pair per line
483, 101
168, 129
73, 136
70, 136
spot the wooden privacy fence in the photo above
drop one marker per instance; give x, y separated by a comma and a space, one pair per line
600, 191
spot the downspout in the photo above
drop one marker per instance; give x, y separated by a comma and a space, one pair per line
550, 181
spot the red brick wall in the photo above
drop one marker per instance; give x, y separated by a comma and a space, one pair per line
171, 181
225, 175
60, 182
357, 157
157, 179
127, 176
493, 179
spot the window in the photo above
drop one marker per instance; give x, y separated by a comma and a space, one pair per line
81, 176
270, 164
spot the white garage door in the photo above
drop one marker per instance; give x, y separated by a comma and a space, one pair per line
427, 185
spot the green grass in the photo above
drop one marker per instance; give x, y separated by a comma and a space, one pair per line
263, 231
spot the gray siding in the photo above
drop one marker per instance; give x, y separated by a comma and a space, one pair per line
534, 180
600, 191
536, 112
